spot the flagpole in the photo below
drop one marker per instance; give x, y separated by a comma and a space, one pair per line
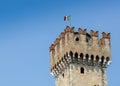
70, 20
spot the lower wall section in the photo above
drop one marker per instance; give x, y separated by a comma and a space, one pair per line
82, 75
64, 78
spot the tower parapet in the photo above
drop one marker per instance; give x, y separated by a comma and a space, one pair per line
80, 47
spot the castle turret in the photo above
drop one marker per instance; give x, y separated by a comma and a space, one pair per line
80, 58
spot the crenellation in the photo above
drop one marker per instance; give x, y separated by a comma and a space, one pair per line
62, 35
52, 47
72, 30
92, 33
96, 33
80, 31
67, 29
104, 35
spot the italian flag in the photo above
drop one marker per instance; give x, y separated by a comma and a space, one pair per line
66, 18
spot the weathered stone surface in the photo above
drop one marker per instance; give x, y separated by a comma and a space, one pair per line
76, 52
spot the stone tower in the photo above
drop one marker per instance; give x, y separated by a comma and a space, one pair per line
80, 58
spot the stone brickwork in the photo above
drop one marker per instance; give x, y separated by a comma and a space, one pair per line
80, 58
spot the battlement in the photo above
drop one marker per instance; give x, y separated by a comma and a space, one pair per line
80, 47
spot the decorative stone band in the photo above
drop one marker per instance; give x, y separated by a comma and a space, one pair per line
89, 60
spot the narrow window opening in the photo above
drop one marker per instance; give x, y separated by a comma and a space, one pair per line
102, 60
92, 60
63, 75
82, 70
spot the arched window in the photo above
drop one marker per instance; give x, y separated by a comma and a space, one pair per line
82, 70
107, 59
92, 57
87, 57
71, 53
76, 55
97, 58
81, 55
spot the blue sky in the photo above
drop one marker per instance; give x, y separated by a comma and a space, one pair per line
29, 27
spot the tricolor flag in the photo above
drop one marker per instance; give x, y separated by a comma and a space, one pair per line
66, 18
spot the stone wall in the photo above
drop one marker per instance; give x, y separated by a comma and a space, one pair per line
80, 49
72, 76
